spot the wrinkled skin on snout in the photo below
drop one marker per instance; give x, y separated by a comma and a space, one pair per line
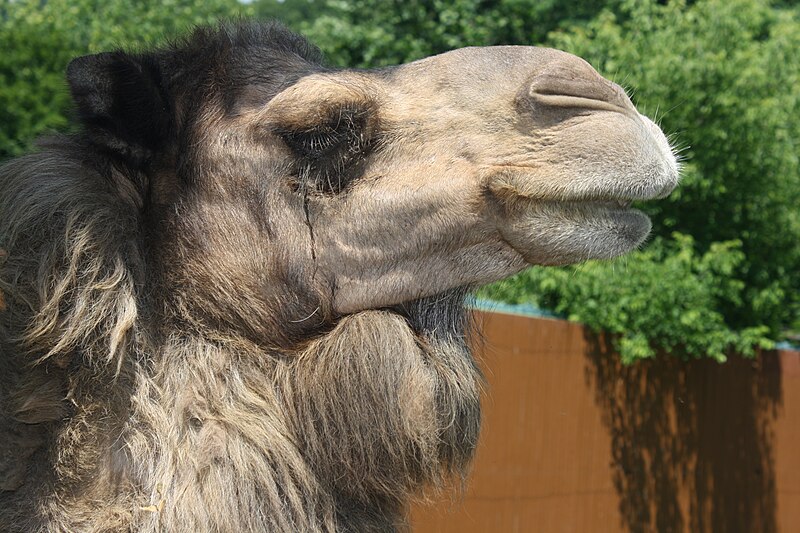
464, 168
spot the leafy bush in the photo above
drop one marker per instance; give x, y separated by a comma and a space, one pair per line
666, 297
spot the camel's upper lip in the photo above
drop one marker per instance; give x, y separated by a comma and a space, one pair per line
519, 182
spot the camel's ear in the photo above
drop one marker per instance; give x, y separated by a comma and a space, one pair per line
121, 102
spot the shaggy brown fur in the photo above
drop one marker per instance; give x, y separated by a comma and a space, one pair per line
234, 301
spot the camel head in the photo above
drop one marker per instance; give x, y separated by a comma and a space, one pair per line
466, 167
325, 192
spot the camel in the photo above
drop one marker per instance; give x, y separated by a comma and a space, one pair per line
234, 300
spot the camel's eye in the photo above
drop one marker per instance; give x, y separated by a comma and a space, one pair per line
329, 150
341, 130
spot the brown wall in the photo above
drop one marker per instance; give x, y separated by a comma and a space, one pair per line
574, 442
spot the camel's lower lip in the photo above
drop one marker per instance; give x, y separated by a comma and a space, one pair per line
559, 233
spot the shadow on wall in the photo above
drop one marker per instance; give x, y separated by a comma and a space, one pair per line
692, 442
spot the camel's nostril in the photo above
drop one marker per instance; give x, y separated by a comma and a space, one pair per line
597, 93
572, 82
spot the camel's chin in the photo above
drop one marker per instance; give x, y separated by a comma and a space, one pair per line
563, 233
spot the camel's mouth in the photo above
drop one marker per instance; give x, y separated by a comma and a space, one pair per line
559, 233
606, 205
619, 215
617, 204
587, 210
576, 202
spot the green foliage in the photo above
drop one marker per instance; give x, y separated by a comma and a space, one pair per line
38, 39
666, 297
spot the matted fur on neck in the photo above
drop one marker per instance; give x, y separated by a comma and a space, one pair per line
73, 257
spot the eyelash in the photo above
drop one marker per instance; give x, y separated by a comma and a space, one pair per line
330, 153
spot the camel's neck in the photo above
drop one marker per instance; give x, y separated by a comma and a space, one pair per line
220, 435
342, 432
211, 446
